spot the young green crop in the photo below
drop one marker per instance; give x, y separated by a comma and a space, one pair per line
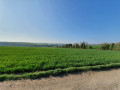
34, 62
14, 60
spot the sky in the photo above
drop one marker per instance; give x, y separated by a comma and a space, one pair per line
60, 21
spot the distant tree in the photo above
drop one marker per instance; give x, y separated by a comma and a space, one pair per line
90, 47
105, 46
67, 45
76, 45
83, 45
70, 45
112, 46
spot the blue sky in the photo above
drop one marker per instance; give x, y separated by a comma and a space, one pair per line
60, 21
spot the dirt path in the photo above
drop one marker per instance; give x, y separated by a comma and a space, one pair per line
100, 80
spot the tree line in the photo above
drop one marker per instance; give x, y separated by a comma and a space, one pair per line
85, 45
82, 45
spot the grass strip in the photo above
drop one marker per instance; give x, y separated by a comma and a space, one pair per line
58, 71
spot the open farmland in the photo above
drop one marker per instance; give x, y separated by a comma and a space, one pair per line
35, 62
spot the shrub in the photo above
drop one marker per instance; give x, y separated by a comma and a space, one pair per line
112, 46
105, 46
83, 45
76, 45
90, 47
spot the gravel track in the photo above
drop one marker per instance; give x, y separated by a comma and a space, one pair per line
91, 80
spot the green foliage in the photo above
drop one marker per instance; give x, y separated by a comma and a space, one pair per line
68, 45
57, 72
52, 61
77, 45
112, 46
105, 46
83, 45
90, 47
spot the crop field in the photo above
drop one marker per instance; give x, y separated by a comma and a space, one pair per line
36, 62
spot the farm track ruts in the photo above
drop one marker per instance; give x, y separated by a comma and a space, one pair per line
91, 80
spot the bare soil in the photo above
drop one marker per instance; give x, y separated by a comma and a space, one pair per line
91, 80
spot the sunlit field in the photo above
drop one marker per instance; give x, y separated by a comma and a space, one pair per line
34, 62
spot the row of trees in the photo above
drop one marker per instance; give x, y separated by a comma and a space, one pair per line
82, 45
111, 46
107, 46
85, 45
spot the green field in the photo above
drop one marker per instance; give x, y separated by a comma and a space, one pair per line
35, 62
